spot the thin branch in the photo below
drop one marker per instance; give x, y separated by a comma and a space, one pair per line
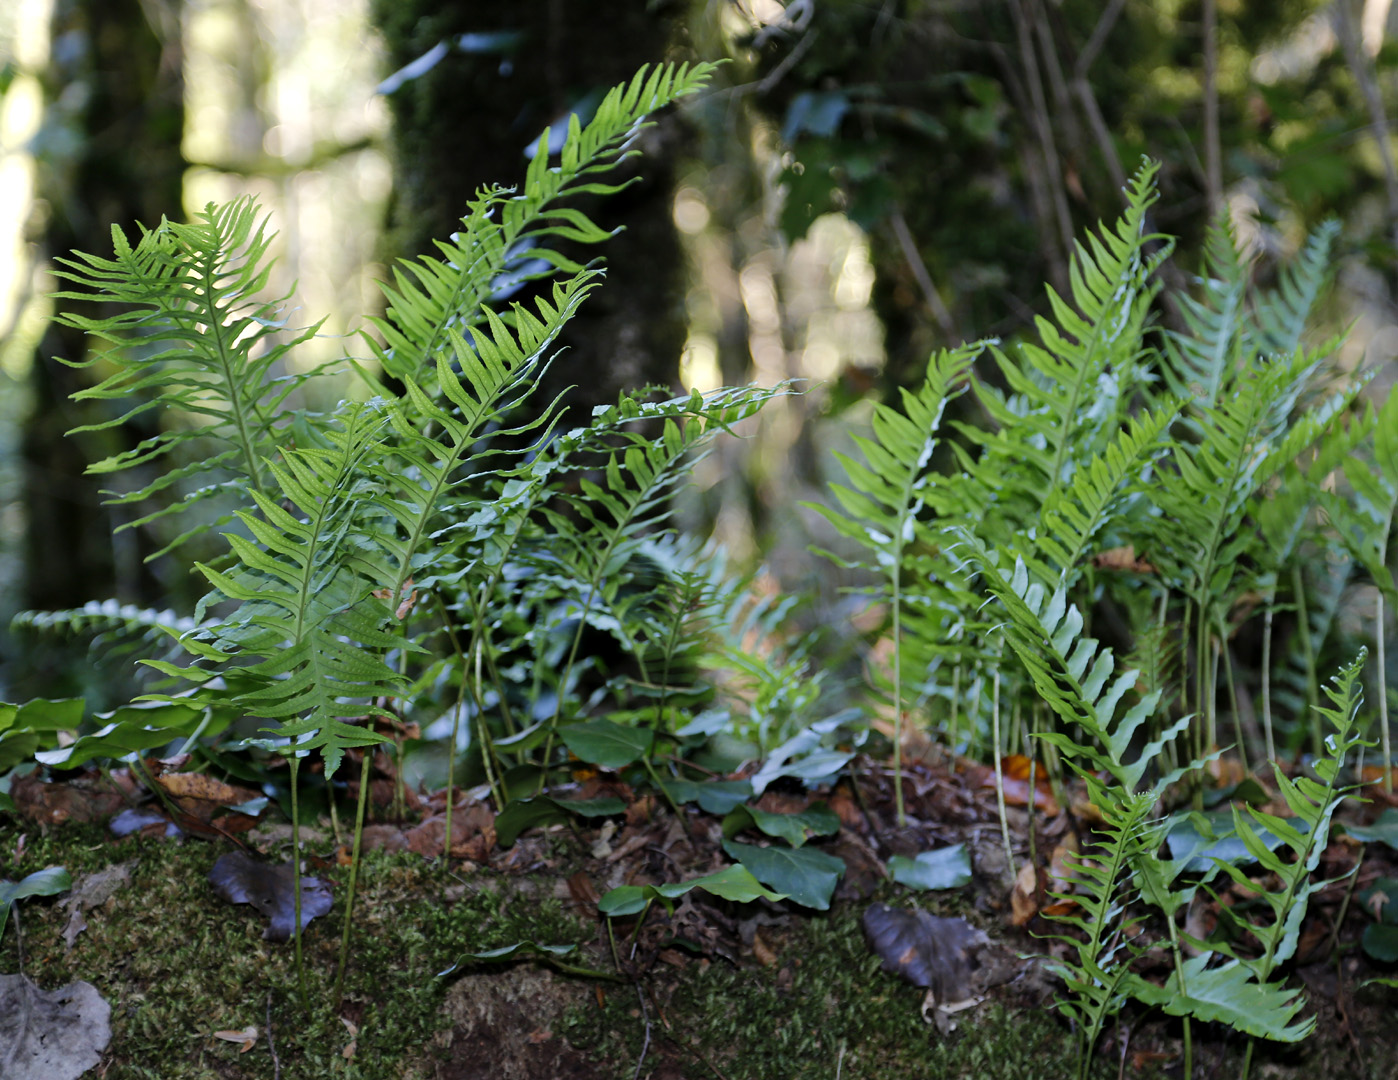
1213, 153
1360, 67
908, 246
1106, 146
1042, 125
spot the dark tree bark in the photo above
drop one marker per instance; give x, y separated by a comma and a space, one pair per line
466, 123
115, 99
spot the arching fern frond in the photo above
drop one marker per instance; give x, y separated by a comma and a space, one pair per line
502, 230
1075, 385
1204, 359
1282, 313
195, 336
305, 646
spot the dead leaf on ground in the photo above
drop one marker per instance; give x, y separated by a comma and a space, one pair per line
144, 820
202, 798
247, 1038
240, 879
472, 834
1014, 771
1122, 558
90, 891
51, 1034
927, 950
74, 800
1024, 897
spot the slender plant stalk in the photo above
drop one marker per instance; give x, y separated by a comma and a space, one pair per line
1233, 696
1384, 737
1267, 677
294, 760
999, 771
1303, 618
364, 773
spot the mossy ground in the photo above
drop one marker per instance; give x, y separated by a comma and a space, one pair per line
177, 964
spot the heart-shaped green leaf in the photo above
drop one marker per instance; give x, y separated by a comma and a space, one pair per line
945, 868
731, 883
795, 829
544, 810
601, 742
809, 877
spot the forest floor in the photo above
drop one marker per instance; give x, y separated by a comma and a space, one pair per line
761, 991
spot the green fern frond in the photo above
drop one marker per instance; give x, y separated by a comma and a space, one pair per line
1070, 392
103, 617
1072, 516
1281, 314
502, 229
193, 335
1204, 360
305, 645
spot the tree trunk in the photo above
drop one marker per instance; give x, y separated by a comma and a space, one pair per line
115, 88
466, 123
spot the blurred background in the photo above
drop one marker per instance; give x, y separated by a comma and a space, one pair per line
865, 180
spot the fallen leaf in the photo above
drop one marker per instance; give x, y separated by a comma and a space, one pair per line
1122, 558
1024, 897
51, 1034
472, 834
926, 950
766, 955
240, 879
143, 820
53, 804
202, 797
247, 1038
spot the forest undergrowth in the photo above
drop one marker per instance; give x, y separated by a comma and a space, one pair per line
1119, 694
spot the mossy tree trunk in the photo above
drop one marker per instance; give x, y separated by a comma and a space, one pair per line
110, 153
466, 123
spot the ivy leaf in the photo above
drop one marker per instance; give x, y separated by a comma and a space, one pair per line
1384, 829
49, 882
945, 868
601, 742
506, 953
713, 796
544, 810
731, 883
795, 829
806, 876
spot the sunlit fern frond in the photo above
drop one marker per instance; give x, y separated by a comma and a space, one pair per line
306, 643
1069, 394
193, 335
1204, 359
507, 231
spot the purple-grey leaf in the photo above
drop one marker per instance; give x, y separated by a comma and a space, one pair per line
240, 879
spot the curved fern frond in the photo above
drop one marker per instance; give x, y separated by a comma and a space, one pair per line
1204, 359
305, 645
1072, 515
1281, 314
193, 335
502, 230
1070, 392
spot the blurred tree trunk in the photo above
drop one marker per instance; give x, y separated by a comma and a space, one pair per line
466, 123
111, 154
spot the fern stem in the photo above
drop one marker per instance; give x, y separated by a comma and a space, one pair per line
1384, 736
488, 756
1303, 618
1227, 654
1267, 676
1000, 773
294, 760
897, 572
354, 873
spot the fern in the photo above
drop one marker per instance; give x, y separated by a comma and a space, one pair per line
1069, 394
890, 491
1205, 359
1281, 315
1080, 682
430, 298
193, 336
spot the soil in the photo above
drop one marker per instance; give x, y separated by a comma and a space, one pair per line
708, 989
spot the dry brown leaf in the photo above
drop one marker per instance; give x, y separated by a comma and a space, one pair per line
1122, 558
247, 1038
1024, 897
766, 955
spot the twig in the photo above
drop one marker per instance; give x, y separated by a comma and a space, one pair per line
1373, 101
1213, 154
272, 1046
1105, 146
1053, 178
645, 1015
919, 269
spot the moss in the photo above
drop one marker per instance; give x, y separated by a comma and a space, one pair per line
177, 964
